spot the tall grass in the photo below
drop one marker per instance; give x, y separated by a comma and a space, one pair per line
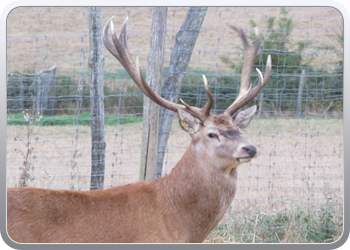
323, 224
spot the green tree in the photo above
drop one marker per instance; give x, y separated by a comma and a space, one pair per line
281, 92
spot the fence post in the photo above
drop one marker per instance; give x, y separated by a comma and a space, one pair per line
21, 106
185, 40
155, 67
96, 67
51, 97
261, 100
49, 88
300, 92
38, 93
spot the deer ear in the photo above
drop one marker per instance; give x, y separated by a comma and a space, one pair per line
187, 122
243, 119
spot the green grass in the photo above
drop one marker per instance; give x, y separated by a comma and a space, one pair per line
319, 224
62, 120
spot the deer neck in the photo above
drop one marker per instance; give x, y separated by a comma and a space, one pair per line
197, 190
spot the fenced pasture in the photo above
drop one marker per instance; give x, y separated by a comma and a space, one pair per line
274, 175
292, 191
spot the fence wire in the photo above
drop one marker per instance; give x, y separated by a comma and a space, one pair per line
298, 128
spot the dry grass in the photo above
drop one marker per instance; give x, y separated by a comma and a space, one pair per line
60, 35
292, 155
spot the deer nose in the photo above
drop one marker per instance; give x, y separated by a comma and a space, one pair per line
250, 150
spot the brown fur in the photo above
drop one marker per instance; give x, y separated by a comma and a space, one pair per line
221, 120
183, 206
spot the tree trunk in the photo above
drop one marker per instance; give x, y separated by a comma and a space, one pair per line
96, 67
180, 58
155, 66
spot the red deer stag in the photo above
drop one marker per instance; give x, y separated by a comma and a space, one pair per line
183, 206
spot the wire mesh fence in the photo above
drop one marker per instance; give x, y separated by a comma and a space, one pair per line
298, 128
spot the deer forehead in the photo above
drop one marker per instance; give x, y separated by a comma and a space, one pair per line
222, 121
222, 124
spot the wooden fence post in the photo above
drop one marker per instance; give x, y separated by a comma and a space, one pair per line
49, 89
96, 67
300, 92
21, 96
155, 66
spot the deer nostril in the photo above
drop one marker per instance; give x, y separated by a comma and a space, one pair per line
250, 150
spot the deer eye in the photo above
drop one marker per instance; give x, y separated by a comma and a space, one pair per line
211, 135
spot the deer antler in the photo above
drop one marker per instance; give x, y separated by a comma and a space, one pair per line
120, 51
246, 93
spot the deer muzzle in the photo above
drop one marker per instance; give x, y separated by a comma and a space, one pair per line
246, 153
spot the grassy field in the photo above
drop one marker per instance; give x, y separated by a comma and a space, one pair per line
58, 35
291, 192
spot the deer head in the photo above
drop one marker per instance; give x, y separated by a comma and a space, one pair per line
215, 135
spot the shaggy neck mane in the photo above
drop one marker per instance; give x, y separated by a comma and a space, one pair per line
201, 195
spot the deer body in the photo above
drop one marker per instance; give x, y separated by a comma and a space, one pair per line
183, 206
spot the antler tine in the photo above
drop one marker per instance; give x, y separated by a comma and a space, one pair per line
124, 56
203, 113
122, 36
109, 46
250, 52
116, 48
246, 94
119, 50
250, 94
121, 53
209, 104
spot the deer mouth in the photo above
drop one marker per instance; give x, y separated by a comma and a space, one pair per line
244, 159
246, 153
